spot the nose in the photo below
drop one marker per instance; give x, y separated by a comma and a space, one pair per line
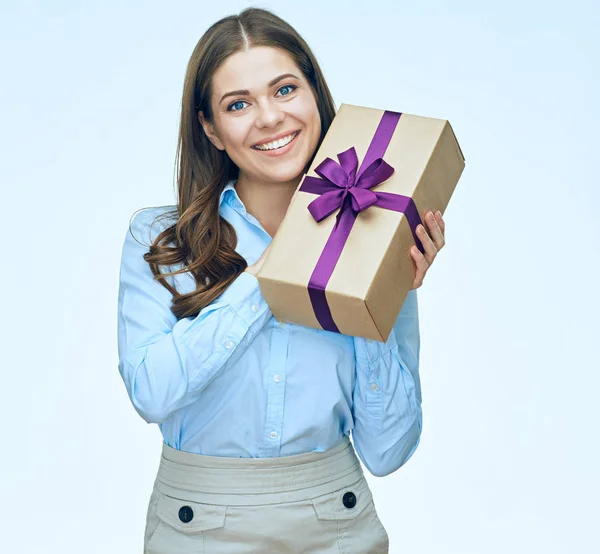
269, 115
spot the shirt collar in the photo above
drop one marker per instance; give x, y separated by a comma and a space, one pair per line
228, 192
230, 197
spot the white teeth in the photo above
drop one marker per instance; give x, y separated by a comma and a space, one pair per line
276, 144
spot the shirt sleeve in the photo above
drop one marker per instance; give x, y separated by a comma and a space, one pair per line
387, 394
166, 363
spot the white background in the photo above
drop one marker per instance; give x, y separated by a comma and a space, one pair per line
89, 109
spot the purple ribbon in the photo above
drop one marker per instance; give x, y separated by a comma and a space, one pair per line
342, 186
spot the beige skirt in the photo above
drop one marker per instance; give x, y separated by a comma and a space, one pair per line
318, 502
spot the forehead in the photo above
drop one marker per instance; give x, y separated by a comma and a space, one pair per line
252, 69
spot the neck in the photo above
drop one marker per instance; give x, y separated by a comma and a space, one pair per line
267, 202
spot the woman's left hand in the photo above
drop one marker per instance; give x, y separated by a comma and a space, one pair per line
432, 243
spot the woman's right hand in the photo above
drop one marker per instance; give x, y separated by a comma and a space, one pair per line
255, 267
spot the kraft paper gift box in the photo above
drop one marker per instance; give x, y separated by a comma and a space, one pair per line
340, 260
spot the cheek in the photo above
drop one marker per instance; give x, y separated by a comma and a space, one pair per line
238, 135
233, 133
308, 113
305, 110
317, 124
315, 129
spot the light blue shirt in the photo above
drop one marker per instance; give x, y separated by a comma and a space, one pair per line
232, 381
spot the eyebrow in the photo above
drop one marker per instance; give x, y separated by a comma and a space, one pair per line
247, 92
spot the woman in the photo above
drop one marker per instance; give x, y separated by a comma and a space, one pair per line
256, 415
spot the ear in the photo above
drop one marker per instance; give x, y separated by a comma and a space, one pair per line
210, 131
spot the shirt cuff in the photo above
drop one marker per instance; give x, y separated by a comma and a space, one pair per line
245, 298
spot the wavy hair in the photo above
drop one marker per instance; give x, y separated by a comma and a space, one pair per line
201, 240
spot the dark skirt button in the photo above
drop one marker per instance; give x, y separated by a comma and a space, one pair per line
349, 500
186, 514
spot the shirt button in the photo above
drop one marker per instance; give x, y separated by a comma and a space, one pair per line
281, 324
228, 344
277, 378
374, 386
273, 434
254, 308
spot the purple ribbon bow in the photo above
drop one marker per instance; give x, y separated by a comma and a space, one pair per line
340, 183
342, 187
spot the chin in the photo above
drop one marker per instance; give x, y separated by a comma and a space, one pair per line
286, 173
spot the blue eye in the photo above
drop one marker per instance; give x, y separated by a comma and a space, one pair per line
229, 109
293, 87
235, 103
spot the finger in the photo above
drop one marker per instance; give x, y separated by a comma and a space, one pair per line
421, 265
440, 221
430, 248
435, 231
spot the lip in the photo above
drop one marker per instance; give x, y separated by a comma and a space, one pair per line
280, 151
276, 137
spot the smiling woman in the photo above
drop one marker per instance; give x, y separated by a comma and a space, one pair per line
278, 119
255, 414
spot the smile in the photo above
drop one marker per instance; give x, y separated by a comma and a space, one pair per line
277, 144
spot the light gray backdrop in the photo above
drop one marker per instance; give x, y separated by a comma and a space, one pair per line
89, 104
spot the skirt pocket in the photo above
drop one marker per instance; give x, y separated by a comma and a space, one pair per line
176, 525
352, 511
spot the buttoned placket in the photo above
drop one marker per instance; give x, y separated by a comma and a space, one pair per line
275, 374
275, 371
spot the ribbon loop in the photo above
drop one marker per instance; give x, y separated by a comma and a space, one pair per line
324, 205
332, 172
349, 162
376, 173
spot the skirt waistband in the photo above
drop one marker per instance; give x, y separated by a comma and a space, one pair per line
238, 481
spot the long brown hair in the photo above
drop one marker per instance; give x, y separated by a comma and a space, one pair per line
202, 240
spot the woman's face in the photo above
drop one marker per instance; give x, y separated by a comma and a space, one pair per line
260, 96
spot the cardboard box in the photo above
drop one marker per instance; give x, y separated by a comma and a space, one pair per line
352, 276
